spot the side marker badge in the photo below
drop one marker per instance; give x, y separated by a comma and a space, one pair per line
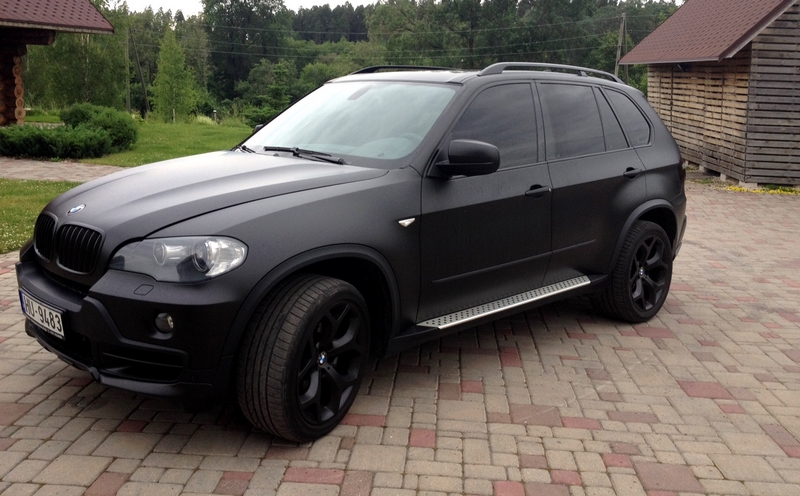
406, 222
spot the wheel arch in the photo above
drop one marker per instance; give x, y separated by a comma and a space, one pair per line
363, 267
657, 211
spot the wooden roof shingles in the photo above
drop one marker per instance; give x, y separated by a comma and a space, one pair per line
706, 30
56, 15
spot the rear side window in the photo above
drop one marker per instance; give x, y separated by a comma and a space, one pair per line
572, 124
503, 116
635, 124
615, 138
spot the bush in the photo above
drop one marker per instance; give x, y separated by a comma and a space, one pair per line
80, 113
204, 120
119, 125
61, 142
258, 115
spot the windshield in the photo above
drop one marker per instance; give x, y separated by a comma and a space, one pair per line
376, 120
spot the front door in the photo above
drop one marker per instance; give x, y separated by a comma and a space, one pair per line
487, 237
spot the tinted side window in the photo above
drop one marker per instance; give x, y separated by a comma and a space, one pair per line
636, 126
502, 116
572, 124
615, 138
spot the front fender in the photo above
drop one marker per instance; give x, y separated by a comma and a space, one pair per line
296, 264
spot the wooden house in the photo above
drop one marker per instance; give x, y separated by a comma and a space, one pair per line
36, 22
724, 75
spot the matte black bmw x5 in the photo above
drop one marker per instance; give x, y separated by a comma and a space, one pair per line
385, 209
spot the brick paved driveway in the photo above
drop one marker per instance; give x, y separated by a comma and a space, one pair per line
557, 401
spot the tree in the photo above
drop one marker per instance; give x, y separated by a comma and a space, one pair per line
192, 36
174, 89
80, 67
241, 32
147, 29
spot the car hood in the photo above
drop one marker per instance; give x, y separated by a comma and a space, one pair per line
139, 201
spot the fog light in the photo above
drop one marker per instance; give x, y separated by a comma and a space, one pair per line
164, 322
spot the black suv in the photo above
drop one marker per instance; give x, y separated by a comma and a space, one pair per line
387, 208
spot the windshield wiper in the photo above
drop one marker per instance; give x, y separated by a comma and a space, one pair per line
244, 148
299, 152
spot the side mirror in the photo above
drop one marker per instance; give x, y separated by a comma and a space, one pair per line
258, 128
470, 158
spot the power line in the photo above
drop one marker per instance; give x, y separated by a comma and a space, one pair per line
615, 19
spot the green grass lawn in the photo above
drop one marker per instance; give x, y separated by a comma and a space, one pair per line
161, 141
50, 118
21, 203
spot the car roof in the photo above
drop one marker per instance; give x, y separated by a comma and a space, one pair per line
503, 70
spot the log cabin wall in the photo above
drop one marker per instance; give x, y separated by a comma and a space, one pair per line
12, 92
705, 107
773, 126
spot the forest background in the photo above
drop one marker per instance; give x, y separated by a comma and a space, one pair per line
249, 59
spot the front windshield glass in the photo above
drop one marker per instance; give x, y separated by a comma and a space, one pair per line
376, 120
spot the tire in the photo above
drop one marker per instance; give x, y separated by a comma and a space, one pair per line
641, 277
302, 357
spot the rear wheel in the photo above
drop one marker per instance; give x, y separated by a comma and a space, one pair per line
641, 278
303, 357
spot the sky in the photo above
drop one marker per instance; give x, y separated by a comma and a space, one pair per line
190, 7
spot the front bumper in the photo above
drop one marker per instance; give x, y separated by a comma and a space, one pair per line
110, 332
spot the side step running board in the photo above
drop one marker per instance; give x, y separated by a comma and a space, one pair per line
490, 308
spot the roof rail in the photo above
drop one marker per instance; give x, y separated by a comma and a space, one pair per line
581, 71
376, 68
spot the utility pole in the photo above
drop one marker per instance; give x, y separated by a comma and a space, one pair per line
625, 44
619, 44
141, 78
128, 72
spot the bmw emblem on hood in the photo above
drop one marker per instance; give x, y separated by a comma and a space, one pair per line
77, 209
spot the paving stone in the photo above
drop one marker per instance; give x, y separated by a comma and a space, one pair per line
9, 460
149, 489
745, 468
751, 444
377, 458
11, 412
299, 489
215, 443
535, 415
667, 477
627, 484
461, 410
128, 445
73, 470
771, 489
110, 408
25, 471
540, 489
357, 483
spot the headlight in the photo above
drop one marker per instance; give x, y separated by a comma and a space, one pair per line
188, 259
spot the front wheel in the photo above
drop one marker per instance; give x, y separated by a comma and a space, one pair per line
641, 278
303, 357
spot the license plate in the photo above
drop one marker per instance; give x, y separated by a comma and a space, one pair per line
45, 316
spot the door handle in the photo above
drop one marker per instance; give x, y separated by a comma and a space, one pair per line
630, 172
537, 191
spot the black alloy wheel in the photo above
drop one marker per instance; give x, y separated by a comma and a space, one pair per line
303, 357
641, 277
648, 272
331, 361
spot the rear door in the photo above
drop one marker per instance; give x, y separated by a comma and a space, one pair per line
487, 237
598, 179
